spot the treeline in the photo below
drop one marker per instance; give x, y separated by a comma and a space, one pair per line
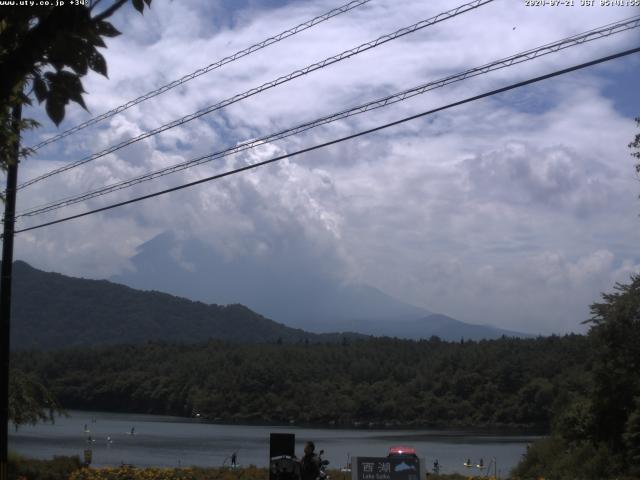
596, 435
505, 382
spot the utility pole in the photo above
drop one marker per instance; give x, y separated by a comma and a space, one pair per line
5, 291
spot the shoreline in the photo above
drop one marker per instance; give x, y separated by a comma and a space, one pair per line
460, 430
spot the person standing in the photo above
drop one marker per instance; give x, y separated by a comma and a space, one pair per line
234, 458
309, 464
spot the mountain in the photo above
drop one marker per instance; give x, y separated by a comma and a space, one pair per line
289, 285
50, 310
292, 284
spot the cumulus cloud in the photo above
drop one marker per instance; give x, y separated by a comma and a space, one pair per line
516, 210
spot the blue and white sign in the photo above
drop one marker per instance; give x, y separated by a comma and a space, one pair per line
386, 468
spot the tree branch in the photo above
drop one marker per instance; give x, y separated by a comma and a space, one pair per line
21, 61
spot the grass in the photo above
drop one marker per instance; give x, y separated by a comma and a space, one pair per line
71, 468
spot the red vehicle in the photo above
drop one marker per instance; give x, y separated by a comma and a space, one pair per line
402, 451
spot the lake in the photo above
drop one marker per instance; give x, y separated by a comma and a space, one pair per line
176, 441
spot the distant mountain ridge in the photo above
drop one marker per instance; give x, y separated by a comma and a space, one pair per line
51, 311
289, 285
292, 285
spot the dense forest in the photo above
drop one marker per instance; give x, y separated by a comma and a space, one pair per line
505, 382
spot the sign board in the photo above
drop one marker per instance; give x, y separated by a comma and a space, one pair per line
387, 468
282, 444
282, 463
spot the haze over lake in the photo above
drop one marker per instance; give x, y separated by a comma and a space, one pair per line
173, 441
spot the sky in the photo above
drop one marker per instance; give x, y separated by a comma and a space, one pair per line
517, 210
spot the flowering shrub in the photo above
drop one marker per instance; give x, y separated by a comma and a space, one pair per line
132, 473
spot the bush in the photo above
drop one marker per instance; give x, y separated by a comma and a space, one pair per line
194, 473
556, 457
60, 468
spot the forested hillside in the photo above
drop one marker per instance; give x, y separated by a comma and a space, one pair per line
51, 310
506, 382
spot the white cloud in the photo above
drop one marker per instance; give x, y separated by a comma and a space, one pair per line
516, 210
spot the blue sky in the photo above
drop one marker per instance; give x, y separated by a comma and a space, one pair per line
516, 210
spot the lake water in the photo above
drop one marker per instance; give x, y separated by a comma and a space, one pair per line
176, 441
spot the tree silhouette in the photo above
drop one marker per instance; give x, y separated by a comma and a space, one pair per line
49, 49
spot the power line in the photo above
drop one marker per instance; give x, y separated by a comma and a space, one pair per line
231, 58
286, 78
339, 140
518, 58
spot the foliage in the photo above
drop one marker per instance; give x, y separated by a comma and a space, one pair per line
50, 49
597, 435
554, 457
616, 329
194, 473
59, 468
631, 439
250, 473
505, 382
70, 468
29, 400
635, 144
9, 138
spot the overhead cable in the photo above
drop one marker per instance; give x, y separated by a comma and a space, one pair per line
231, 58
335, 141
280, 80
518, 58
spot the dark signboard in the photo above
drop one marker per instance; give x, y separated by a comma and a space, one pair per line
282, 444
386, 468
282, 462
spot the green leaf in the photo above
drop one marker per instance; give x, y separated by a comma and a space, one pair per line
105, 29
77, 97
57, 64
40, 88
71, 50
63, 86
98, 64
95, 39
138, 5
29, 124
55, 109
68, 82
78, 63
